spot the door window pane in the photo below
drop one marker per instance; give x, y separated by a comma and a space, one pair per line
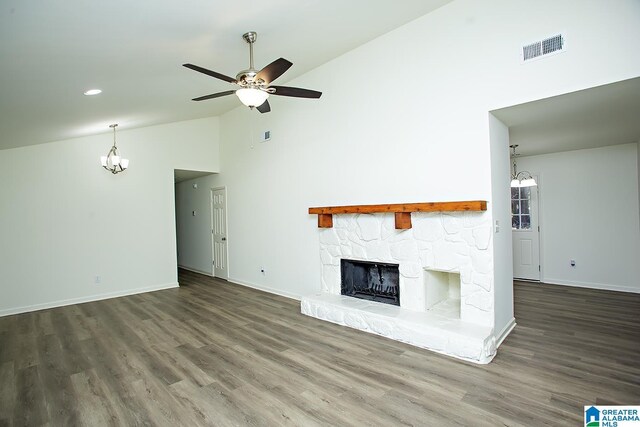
521, 208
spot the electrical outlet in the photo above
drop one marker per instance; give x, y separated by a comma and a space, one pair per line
97, 280
572, 263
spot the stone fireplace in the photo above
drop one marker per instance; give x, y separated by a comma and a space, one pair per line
445, 280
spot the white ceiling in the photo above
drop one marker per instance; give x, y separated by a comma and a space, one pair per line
180, 175
52, 51
590, 118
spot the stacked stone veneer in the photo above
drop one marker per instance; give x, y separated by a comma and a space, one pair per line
456, 242
449, 242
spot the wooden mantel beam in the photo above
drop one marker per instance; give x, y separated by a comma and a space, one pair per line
402, 210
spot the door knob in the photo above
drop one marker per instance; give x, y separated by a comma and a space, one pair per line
224, 239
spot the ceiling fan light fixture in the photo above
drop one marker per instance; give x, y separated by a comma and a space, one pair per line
254, 85
252, 97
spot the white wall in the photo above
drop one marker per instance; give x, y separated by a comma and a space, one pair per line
403, 119
194, 232
589, 212
502, 245
65, 220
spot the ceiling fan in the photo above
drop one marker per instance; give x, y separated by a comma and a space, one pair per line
255, 86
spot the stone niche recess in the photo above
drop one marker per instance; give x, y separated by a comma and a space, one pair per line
443, 292
446, 280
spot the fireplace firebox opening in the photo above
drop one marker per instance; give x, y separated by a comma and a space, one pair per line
374, 281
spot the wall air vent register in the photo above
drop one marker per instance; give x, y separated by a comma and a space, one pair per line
543, 48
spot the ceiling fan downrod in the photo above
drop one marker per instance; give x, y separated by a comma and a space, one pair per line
250, 38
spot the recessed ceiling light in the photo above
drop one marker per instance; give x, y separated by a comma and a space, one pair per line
92, 92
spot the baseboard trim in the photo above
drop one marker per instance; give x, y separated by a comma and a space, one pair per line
504, 333
90, 298
195, 270
265, 289
589, 285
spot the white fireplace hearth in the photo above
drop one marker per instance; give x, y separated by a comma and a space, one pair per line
446, 280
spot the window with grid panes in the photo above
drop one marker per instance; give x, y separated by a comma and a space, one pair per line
520, 211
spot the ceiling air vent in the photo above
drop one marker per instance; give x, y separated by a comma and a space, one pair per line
543, 48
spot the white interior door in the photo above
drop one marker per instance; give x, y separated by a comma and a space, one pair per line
526, 233
219, 232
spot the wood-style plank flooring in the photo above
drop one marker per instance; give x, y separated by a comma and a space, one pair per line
214, 353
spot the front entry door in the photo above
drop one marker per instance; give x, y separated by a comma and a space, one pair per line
219, 232
526, 233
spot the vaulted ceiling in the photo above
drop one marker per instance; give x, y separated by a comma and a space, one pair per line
53, 51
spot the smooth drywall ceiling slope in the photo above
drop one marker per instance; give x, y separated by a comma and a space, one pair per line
403, 119
589, 213
53, 51
73, 232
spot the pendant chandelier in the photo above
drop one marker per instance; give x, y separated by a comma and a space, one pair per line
522, 178
113, 162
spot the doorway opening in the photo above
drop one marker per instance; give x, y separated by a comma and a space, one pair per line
193, 218
583, 146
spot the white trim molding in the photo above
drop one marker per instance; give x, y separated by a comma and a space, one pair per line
89, 298
590, 285
265, 289
504, 333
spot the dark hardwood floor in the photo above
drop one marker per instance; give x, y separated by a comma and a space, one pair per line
213, 353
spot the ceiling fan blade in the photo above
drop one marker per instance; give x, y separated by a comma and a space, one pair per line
214, 95
265, 107
210, 73
274, 70
295, 92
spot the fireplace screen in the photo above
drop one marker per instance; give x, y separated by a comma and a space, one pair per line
373, 281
